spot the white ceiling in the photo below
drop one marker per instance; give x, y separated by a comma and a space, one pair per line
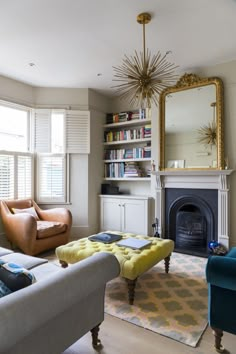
72, 41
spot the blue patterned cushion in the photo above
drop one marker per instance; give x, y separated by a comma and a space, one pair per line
4, 290
14, 276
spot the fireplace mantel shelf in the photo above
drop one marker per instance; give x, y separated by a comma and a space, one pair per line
192, 172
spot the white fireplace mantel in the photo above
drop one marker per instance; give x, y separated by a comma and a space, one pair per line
195, 179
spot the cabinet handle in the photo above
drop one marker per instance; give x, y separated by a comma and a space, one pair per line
119, 205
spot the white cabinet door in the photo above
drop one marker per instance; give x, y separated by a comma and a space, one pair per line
125, 214
110, 214
134, 216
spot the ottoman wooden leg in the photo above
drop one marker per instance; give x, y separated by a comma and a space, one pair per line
131, 289
63, 264
167, 263
95, 341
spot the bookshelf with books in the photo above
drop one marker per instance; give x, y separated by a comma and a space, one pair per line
127, 146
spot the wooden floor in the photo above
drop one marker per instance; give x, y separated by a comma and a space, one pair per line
121, 337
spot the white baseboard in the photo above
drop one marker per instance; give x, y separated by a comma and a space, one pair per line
78, 232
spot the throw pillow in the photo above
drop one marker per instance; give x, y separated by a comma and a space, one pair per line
4, 290
30, 211
14, 276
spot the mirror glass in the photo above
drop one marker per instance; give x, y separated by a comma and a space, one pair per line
191, 124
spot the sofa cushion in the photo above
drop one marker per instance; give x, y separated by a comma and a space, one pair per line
46, 270
24, 260
30, 211
14, 276
49, 228
4, 290
4, 251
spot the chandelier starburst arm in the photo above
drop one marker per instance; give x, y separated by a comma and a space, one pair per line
142, 77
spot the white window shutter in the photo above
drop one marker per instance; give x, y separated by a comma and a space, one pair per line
51, 177
7, 176
16, 175
77, 132
24, 174
42, 130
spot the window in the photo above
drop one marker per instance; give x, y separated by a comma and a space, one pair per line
14, 128
16, 163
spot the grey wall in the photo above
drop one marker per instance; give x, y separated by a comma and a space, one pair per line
87, 171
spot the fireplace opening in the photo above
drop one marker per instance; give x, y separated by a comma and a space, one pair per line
191, 230
191, 219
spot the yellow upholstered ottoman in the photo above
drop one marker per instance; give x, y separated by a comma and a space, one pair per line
133, 263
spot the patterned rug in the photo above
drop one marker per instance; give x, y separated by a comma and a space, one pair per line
173, 305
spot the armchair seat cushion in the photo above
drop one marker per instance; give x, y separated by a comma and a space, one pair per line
49, 228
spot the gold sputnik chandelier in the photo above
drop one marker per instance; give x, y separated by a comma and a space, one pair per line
208, 133
144, 76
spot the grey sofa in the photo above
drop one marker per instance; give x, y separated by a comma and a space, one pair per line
63, 305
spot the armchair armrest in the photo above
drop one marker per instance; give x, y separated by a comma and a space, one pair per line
221, 272
55, 214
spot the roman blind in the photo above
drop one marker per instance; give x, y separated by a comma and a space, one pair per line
16, 173
51, 174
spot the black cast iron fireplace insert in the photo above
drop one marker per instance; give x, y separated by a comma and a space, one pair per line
191, 217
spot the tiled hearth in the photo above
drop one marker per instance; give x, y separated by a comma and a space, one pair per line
192, 208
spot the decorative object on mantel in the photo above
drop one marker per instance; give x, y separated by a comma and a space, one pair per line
173, 305
208, 133
143, 76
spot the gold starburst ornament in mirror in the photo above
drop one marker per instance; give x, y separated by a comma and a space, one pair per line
208, 133
142, 77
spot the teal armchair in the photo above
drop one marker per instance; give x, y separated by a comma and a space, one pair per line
221, 279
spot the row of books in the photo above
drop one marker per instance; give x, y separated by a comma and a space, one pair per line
124, 170
133, 153
114, 170
128, 134
142, 113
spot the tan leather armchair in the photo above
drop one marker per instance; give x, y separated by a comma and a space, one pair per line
34, 235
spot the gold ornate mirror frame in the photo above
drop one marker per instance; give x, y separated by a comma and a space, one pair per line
186, 82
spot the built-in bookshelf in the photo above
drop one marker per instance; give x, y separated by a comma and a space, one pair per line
127, 146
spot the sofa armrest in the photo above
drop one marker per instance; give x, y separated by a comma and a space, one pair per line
39, 303
221, 272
